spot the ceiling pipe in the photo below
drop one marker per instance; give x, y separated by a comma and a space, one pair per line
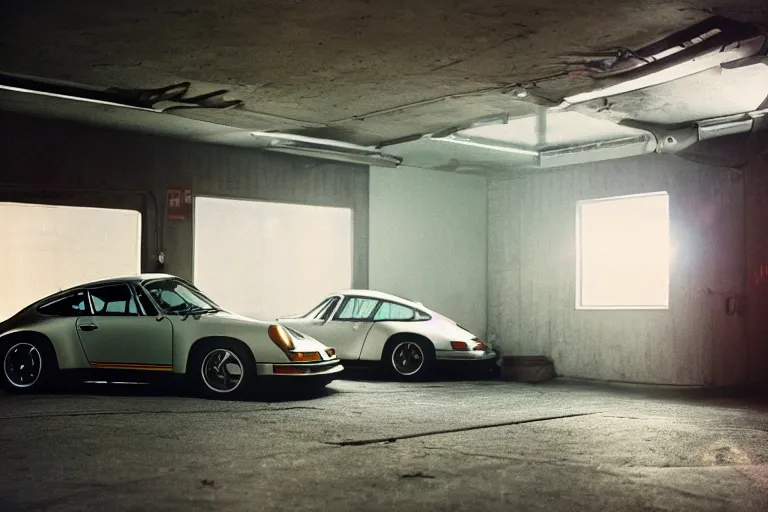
714, 42
675, 140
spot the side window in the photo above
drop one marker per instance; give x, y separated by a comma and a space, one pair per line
420, 315
357, 308
146, 303
391, 311
326, 312
315, 313
114, 300
71, 305
167, 299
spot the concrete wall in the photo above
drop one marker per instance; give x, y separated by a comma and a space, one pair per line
57, 162
757, 267
428, 240
531, 269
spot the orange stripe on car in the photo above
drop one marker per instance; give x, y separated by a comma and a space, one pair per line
134, 366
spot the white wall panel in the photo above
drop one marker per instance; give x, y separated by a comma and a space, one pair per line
428, 240
265, 259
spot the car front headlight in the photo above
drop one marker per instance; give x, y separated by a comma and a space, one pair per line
281, 338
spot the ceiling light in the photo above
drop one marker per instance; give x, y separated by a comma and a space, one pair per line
327, 149
477, 123
636, 145
569, 155
478, 143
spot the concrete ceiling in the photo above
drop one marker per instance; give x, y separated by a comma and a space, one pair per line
361, 71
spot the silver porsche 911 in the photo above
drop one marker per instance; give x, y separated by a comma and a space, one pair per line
407, 337
133, 328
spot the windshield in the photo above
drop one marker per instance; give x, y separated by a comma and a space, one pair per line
175, 297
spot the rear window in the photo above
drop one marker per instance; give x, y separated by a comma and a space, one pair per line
394, 312
71, 305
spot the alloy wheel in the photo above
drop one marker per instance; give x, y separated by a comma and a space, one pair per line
22, 365
222, 371
407, 358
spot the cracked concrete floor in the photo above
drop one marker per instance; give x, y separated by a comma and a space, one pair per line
385, 446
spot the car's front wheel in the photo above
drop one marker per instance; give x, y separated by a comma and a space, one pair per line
410, 358
222, 369
29, 365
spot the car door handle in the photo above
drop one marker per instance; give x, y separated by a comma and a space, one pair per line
88, 327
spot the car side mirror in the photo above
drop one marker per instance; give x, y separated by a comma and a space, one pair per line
159, 317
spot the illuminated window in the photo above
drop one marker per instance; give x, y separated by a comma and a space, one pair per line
49, 248
623, 252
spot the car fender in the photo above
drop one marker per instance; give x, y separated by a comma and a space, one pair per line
187, 332
60, 333
252, 333
439, 331
381, 333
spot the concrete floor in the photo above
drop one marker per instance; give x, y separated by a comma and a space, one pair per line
364, 445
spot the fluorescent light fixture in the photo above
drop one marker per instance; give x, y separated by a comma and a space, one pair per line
568, 155
477, 123
483, 144
729, 125
595, 151
711, 131
279, 137
376, 161
326, 149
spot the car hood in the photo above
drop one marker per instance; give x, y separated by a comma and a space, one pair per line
229, 316
302, 341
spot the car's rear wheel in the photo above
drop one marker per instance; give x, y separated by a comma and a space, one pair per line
410, 359
29, 365
222, 369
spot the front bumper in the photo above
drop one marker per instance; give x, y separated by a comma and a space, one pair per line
300, 370
466, 355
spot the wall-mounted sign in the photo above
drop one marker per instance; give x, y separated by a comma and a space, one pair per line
179, 203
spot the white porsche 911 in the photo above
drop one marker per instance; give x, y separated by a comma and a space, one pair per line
365, 325
134, 328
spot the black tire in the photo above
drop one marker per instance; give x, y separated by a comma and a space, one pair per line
21, 353
408, 350
210, 354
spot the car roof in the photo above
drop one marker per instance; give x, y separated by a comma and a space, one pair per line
138, 278
127, 279
374, 294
